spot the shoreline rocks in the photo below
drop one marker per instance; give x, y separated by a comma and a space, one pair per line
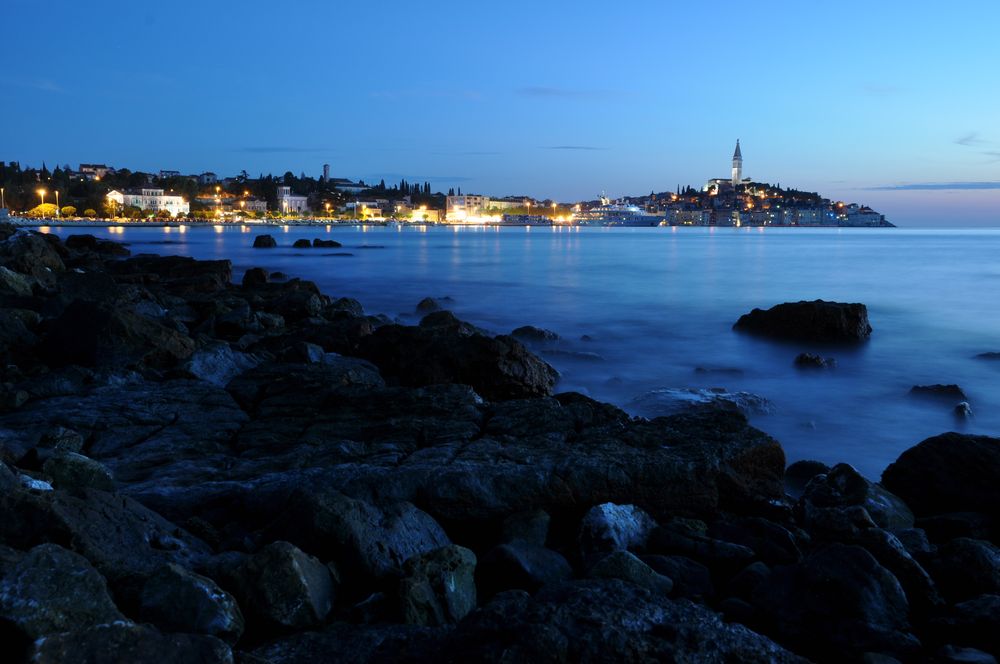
210, 471
819, 320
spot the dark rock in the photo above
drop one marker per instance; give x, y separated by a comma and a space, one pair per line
534, 334
603, 620
60, 438
282, 587
809, 321
838, 602
180, 275
948, 473
278, 276
302, 244
178, 600
326, 244
946, 392
988, 356
814, 361
427, 305
92, 335
627, 567
844, 486
692, 580
956, 655
772, 543
519, 565
673, 401
530, 526
264, 242
347, 643
33, 255
798, 474
49, 590
124, 642
946, 527
348, 305
965, 568
748, 579
438, 587
15, 283
99, 246
70, 470
610, 527
498, 368
720, 371
255, 276
970, 623
915, 541
962, 410
716, 554
889, 551
218, 364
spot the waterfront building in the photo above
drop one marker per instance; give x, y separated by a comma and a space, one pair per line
289, 202
859, 215
460, 208
94, 171
150, 199
347, 186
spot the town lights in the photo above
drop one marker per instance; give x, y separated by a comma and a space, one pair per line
41, 193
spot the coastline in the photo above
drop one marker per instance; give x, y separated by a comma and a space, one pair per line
442, 499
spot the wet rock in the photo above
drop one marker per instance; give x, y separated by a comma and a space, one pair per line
988, 356
33, 255
962, 410
438, 587
965, 568
427, 305
50, 589
326, 244
98, 246
771, 542
809, 321
255, 276
264, 242
814, 361
218, 364
534, 334
889, 551
798, 474
611, 527
14, 283
70, 470
948, 473
673, 401
946, 527
970, 623
627, 567
530, 526
180, 275
349, 643
302, 244
725, 557
945, 392
838, 602
178, 600
278, 276
282, 587
692, 580
598, 620
719, 371
844, 486
519, 565
955, 655
748, 579
125, 642
497, 368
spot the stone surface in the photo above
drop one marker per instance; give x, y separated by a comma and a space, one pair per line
264, 242
534, 334
282, 587
438, 587
610, 527
120, 642
69, 470
627, 567
673, 401
945, 392
519, 565
809, 321
844, 486
965, 568
814, 361
176, 599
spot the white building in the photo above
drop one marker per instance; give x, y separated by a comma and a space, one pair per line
346, 186
737, 164
460, 208
150, 199
289, 202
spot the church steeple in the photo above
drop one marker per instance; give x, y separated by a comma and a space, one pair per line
737, 164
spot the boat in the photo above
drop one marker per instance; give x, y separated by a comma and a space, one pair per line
618, 213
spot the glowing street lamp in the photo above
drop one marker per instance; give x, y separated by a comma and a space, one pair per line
41, 193
327, 205
2, 205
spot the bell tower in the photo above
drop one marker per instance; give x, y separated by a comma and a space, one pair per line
737, 164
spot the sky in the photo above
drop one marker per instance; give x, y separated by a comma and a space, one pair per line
893, 104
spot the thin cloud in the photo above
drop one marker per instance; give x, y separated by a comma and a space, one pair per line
971, 139
545, 92
572, 147
936, 186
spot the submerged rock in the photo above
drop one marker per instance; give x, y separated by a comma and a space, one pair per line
326, 244
809, 321
534, 334
814, 361
302, 244
672, 401
264, 242
946, 392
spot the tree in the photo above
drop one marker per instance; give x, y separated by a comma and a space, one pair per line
163, 214
46, 210
90, 213
68, 211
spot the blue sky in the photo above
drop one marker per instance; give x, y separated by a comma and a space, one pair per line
892, 103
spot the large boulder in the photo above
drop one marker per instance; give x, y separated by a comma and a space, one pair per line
32, 254
179, 275
627, 567
497, 368
965, 568
520, 565
610, 527
50, 589
119, 642
87, 242
282, 587
952, 472
70, 470
176, 599
264, 242
843, 487
809, 321
837, 602
604, 620
438, 587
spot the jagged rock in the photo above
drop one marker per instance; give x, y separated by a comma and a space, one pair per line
33, 255
970, 623
61, 439
965, 568
264, 242
218, 364
673, 401
178, 600
809, 321
946, 392
838, 602
427, 305
124, 642
302, 243
50, 589
347, 643
282, 587
814, 361
889, 551
627, 567
255, 276
955, 655
963, 410
14, 283
497, 368
599, 620
798, 474
610, 527
70, 470
438, 587
948, 473
100, 246
844, 486
534, 334
519, 565
692, 580
326, 244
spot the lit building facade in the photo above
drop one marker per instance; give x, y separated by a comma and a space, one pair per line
152, 200
289, 202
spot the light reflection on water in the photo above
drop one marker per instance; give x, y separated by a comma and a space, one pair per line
660, 302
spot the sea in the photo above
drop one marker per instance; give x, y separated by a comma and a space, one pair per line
639, 310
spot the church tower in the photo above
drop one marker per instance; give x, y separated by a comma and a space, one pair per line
737, 164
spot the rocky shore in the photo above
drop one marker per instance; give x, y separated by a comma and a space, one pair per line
193, 470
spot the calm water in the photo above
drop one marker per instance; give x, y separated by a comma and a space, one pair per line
660, 302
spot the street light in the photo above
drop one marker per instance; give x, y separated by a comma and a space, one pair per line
57, 202
41, 193
2, 206
327, 209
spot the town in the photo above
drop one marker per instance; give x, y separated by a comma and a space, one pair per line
101, 192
